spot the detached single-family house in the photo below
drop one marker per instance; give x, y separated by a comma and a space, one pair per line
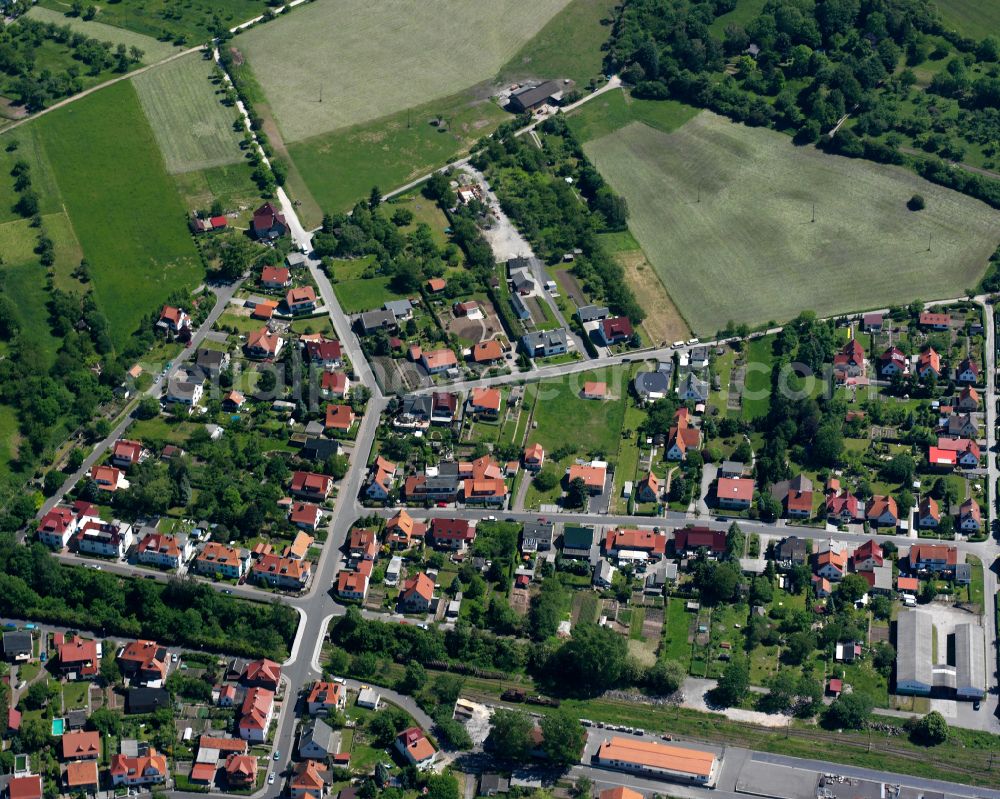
534, 457
968, 399
219, 559
417, 594
268, 223
693, 388
326, 696
173, 320
970, 519
147, 769
437, 361
831, 564
682, 436
649, 489
484, 402
614, 330
165, 551
893, 362
929, 364
736, 493
275, 277
413, 745
452, 534
935, 321
544, 343
371, 321
263, 344
882, 511
301, 299
324, 352
126, 453
487, 353
311, 486
381, 478
967, 371
928, 513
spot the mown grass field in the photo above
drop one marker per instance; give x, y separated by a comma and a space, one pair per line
43, 181
124, 207
339, 168
194, 130
190, 22
8, 438
375, 59
616, 109
569, 46
975, 18
153, 50
715, 204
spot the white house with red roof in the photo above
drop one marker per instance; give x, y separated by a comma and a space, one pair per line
105, 539
126, 453
353, 583
108, 478
652, 543
173, 320
893, 362
275, 277
57, 527
417, 594
734, 492
276, 571
79, 659
310, 485
380, 480
335, 385
165, 551
147, 769
326, 696
264, 673
970, 518
967, 371
301, 299
850, 364
868, 556
614, 330
437, 361
324, 352
305, 515
451, 534
220, 559
414, 746
263, 344
255, 715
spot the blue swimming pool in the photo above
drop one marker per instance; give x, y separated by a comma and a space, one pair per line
58, 726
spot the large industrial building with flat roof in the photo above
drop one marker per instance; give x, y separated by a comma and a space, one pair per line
658, 760
919, 675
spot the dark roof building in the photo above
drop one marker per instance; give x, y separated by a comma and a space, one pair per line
529, 98
141, 699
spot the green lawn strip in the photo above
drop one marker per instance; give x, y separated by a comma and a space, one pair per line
75, 695
26, 283
676, 630
757, 381
24, 144
194, 130
163, 19
569, 46
231, 184
152, 49
976, 589
725, 230
744, 12
124, 208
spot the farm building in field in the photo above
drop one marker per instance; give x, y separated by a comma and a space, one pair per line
528, 98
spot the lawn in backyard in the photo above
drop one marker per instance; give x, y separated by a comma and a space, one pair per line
719, 204
75, 695
231, 184
757, 377
569, 46
192, 22
364, 294
676, 631
974, 18
392, 56
182, 104
124, 208
152, 50
743, 13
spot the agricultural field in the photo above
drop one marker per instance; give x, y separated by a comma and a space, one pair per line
192, 22
122, 203
153, 50
718, 204
182, 104
392, 56
337, 169
569, 46
973, 18
614, 110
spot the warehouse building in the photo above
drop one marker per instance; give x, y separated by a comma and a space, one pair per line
658, 760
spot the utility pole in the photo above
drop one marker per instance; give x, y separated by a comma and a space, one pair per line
930, 238
321, 92
814, 212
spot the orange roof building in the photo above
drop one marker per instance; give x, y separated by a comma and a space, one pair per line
656, 759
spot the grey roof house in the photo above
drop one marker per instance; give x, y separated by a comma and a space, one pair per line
536, 537
318, 740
